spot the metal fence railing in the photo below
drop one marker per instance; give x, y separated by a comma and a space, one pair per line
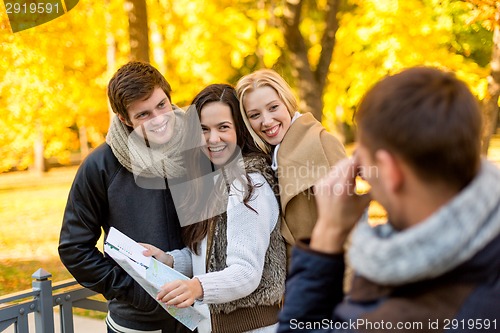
41, 300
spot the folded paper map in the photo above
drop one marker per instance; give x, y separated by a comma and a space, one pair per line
150, 273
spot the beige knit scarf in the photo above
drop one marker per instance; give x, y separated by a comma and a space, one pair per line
147, 159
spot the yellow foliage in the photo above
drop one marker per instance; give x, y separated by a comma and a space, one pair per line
54, 76
380, 38
46, 81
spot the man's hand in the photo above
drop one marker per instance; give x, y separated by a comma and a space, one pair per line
180, 293
167, 259
339, 207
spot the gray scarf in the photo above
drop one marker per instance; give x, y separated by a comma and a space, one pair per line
448, 238
133, 153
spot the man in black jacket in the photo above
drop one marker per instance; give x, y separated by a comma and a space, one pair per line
123, 184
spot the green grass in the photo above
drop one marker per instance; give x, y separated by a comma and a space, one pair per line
16, 274
31, 210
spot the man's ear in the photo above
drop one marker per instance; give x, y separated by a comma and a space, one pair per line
390, 168
123, 120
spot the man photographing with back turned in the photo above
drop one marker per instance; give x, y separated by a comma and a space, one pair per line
436, 264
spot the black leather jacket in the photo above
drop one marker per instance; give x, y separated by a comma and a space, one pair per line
106, 194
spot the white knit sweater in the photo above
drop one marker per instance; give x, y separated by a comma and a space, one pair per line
248, 235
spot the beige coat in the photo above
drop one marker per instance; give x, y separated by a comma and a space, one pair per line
306, 154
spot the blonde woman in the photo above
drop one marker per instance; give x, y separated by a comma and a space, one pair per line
302, 150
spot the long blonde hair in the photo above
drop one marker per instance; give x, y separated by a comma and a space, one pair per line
265, 78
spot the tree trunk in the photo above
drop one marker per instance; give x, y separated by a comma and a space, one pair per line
138, 30
490, 103
84, 144
110, 52
40, 163
158, 48
310, 82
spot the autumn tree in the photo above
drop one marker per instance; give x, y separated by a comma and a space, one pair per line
138, 29
377, 38
196, 43
310, 77
51, 86
487, 12
490, 103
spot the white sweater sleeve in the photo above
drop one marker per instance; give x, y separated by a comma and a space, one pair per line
248, 235
183, 261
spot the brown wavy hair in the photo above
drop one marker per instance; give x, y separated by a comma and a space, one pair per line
202, 195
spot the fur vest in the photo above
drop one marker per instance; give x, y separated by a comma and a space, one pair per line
260, 308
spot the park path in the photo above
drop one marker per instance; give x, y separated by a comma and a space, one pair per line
81, 324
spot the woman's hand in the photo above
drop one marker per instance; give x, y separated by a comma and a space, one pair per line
165, 258
181, 293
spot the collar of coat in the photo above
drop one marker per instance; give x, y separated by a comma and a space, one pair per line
301, 157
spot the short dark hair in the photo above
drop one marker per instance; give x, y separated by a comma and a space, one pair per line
132, 82
430, 119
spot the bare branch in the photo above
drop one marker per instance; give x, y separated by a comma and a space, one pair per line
327, 43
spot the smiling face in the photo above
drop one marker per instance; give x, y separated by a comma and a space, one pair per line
267, 114
219, 131
152, 118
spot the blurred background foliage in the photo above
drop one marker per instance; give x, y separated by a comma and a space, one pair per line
53, 77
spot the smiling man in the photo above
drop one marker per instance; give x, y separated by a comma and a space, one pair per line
152, 118
123, 184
